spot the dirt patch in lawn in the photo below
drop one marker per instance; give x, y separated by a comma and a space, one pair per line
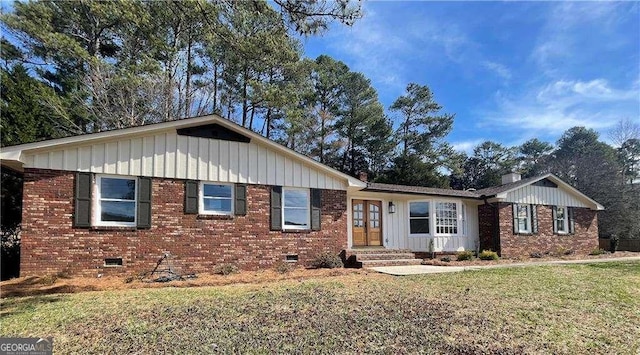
52, 284
450, 260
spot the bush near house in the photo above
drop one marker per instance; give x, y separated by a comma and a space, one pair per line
488, 255
464, 255
327, 260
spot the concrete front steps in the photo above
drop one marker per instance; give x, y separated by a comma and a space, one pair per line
374, 257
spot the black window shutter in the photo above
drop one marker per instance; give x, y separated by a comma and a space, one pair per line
572, 220
82, 212
191, 197
515, 218
554, 213
316, 209
240, 204
534, 219
144, 202
276, 208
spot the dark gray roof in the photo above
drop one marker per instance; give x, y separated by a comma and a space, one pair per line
494, 190
475, 194
419, 190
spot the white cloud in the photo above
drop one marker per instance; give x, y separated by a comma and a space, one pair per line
560, 105
499, 69
467, 146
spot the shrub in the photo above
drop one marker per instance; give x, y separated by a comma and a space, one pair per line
464, 255
446, 259
129, 279
488, 255
597, 251
283, 267
613, 243
327, 260
225, 269
535, 255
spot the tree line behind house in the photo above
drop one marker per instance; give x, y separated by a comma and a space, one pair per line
81, 67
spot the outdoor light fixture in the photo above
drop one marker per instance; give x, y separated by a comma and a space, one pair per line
392, 207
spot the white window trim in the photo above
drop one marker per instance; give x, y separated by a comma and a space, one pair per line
528, 229
565, 221
201, 209
308, 222
420, 235
97, 206
462, 230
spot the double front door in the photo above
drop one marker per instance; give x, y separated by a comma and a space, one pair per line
367, 223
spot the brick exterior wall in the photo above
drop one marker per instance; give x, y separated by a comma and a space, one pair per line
50, 244
583, 241
486, 222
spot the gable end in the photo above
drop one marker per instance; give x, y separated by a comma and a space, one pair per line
213, 131
545, 183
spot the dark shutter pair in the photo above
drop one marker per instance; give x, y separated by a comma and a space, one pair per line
533, 216
191, 198
276, 208
82, 203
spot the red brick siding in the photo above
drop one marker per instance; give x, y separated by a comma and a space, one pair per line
583, 241
486, 230
50, 244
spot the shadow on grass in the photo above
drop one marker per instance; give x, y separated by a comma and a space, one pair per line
35, 286
624, 266
13, 306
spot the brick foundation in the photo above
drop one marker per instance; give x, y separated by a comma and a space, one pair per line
50, 244
583, 241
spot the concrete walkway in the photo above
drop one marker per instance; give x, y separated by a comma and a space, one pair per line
431, 269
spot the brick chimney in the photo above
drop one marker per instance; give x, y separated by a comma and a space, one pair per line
363, 176
511, 177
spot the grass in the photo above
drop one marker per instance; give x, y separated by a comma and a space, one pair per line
591, 308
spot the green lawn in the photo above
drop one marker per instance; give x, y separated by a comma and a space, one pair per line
592, 308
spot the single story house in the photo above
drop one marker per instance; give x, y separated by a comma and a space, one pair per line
210, 192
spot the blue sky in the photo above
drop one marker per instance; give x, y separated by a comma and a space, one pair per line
510, 71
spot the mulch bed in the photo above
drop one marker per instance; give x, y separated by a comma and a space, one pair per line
438, 261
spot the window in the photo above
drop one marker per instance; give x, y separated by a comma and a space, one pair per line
446, 218
419, 217
116, 202
113, 262
522, 218
561, 220
216, 199
295, 209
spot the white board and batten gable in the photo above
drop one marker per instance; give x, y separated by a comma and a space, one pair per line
548, 190
159, 150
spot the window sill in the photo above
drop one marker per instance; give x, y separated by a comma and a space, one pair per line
525, 233
215, 216
296, 231
113, 228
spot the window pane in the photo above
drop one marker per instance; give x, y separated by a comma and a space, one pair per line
523, 211
522, 224
296, 198
296, 217
419, 209
124, 189
419, 226
217, 190
560, 213
117, 211
217, 204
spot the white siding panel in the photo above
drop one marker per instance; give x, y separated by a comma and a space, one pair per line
223, 161
110, 157
192, 158
97, 158
56, 159
124, 151
214, 160
135, 157
84, 158
544, 196
70, 159
168, 155
203, 159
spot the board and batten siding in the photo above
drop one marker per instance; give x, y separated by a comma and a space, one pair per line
395, 226
539, 195
169, 155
